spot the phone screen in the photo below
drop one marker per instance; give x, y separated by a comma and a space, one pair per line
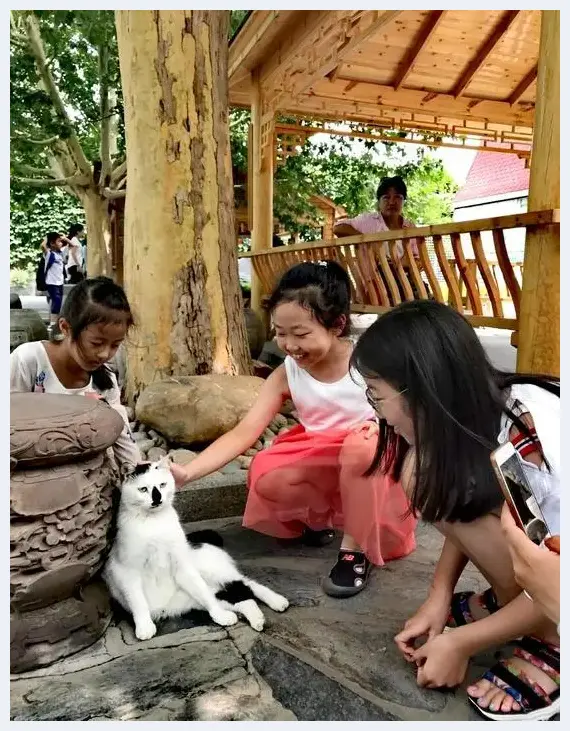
523, 500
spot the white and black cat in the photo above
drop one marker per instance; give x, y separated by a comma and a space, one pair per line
154, 571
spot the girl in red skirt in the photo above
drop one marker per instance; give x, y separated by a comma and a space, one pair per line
314, 479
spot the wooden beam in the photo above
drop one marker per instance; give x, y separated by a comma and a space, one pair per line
422, 39
523, 86
261, 187
485, 51
539, 333
371, 99
237, 57
359, 30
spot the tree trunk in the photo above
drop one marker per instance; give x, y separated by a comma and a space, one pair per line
98, 220
180, 258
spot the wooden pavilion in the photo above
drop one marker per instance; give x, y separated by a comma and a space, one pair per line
461, 78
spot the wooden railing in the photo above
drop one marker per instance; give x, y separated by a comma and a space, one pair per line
464, 264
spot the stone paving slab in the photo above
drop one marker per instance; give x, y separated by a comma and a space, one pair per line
323, 659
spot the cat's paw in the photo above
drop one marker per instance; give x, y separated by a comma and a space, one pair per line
145, 630
278, 603
257, 623
224, 617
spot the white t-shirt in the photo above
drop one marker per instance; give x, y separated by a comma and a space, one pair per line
320, 406
544, 407
31, 371
54, 275
75, 252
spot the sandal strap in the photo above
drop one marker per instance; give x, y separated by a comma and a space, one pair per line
528, 696
489, 600
460, 611
542, 655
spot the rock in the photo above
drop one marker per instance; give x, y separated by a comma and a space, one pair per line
283, 430
258, 446
280, 420
26, 326
250, 452
156, 453
268, 435
133, 425
245, 461
197, 409
141, 427
154, 435
15, 301
273, 428
128, 686
145, 445
182, 456
130, 413
140, 436
287, 408
233, 466
255, 332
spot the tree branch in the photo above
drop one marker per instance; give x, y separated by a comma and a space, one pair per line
122, 183
105, 148
113, 194
29, 170
30, 141
80, 180
37, 49
119, 171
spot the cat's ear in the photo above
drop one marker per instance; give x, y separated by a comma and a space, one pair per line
164, 462
133, 470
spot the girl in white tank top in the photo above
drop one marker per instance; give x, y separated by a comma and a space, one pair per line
313, 480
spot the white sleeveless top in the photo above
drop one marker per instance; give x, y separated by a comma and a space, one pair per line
320, 406
544, 407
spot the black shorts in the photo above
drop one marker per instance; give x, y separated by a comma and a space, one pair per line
55, 297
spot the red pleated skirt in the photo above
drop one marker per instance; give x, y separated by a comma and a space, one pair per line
317, 479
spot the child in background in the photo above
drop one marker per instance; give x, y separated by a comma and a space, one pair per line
312, 479
54, 276
94, 321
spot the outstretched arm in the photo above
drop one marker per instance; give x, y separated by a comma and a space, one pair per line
271, 397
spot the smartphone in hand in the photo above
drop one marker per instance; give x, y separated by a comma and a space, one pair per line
518, 493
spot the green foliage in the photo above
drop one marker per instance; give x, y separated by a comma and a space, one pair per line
32, 215
73, 41
237, 17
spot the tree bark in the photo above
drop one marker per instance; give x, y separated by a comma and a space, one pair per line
99, 245
181, 272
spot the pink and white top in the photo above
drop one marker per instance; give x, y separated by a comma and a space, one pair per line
373, 222
321, 406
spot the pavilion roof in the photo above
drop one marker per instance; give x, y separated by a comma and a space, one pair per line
461, 72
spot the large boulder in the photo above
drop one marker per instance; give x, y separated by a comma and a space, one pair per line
197, 409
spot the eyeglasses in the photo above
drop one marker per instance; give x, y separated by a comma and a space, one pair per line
378, 403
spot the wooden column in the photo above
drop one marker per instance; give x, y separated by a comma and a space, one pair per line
261, 170
539, 322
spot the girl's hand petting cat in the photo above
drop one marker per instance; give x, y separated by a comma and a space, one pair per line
180, 474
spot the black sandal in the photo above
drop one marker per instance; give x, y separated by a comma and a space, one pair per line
349, 575
460, 612
318, 538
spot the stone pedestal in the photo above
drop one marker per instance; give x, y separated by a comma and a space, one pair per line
62, 480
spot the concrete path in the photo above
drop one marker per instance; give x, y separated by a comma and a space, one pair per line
323, 659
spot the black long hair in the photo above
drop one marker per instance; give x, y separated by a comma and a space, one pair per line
456, 399
323, 289
74, 229
92, 301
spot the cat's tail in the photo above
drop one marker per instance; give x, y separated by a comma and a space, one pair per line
199, 537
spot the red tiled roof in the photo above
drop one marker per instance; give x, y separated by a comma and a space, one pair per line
492, 174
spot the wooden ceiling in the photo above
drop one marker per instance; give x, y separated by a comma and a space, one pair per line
462, 72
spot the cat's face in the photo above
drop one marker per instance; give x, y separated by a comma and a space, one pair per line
149, 487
